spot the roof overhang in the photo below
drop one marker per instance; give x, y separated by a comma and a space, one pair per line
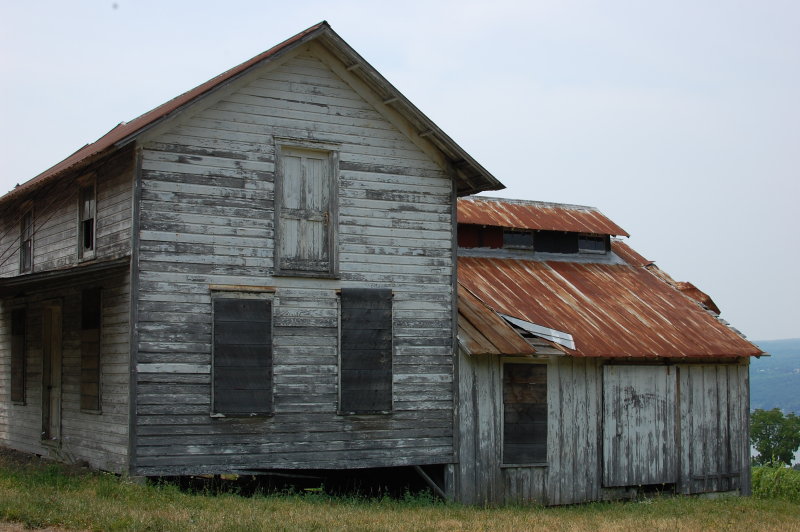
12, 286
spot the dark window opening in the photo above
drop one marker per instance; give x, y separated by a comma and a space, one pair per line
524, 413
87, 216
594, 243
18, 355
556, 242
517, 239
477, 236
242, 367
91, 323
26, 243
365, 372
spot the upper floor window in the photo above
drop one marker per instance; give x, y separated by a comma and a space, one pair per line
87, 214
26, 242
305, 211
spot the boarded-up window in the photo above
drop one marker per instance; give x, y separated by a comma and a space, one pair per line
91, 324
86, 221
26, 242
524, 413
18, 355
305, 212
365, 380
242, 356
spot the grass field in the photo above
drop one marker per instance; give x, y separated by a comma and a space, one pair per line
38, 494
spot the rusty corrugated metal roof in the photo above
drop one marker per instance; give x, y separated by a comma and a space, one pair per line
611, 310
628, 254
520, 214
482, 332
473, 177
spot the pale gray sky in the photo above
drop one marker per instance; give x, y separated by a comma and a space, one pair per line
680, 120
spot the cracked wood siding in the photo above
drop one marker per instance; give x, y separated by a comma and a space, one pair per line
101, 439
207, 218
572, 472
55, 219
714, 428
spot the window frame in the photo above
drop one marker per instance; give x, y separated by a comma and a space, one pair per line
84, 332
340, 388
519, 233
284, 146
26, 231
501, 386
268, 297
83, 252
594, 237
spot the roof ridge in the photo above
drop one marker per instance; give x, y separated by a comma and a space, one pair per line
535, 203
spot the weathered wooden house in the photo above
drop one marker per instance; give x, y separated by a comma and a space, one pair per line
261, 274
584, 371
257, 275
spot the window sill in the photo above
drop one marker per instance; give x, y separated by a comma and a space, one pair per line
535, 464
315, 275
93, 412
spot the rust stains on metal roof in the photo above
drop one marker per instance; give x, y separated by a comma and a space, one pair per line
611, 310
536, 215
482, 332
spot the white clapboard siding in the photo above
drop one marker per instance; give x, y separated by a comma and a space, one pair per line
207, 219
55, 207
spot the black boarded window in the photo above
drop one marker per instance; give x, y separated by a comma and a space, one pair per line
365, 372
524, 413
594, 243
242, 356
18, 355
91, 318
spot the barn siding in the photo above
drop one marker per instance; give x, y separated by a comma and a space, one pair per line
714, 428
712, 449
97, 438
207, 219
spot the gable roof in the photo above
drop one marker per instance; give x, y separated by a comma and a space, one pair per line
535, 215
472, 177
625, 308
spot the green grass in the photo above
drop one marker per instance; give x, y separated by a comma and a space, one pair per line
777, 483
39, 494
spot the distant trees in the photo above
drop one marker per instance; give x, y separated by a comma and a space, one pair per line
774, 435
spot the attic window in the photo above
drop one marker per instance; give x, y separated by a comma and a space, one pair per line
593, 243
517, 239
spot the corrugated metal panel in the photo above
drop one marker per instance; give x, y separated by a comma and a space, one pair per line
472, 177
628, 254
610, 310
482, 332
535, 215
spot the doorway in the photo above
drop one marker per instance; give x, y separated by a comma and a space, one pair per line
51, 372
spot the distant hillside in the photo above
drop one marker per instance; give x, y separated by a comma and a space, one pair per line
775, 380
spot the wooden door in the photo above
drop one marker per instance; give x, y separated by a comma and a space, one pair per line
51, 372
639, 404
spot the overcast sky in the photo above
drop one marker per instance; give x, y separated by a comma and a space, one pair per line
679, 120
